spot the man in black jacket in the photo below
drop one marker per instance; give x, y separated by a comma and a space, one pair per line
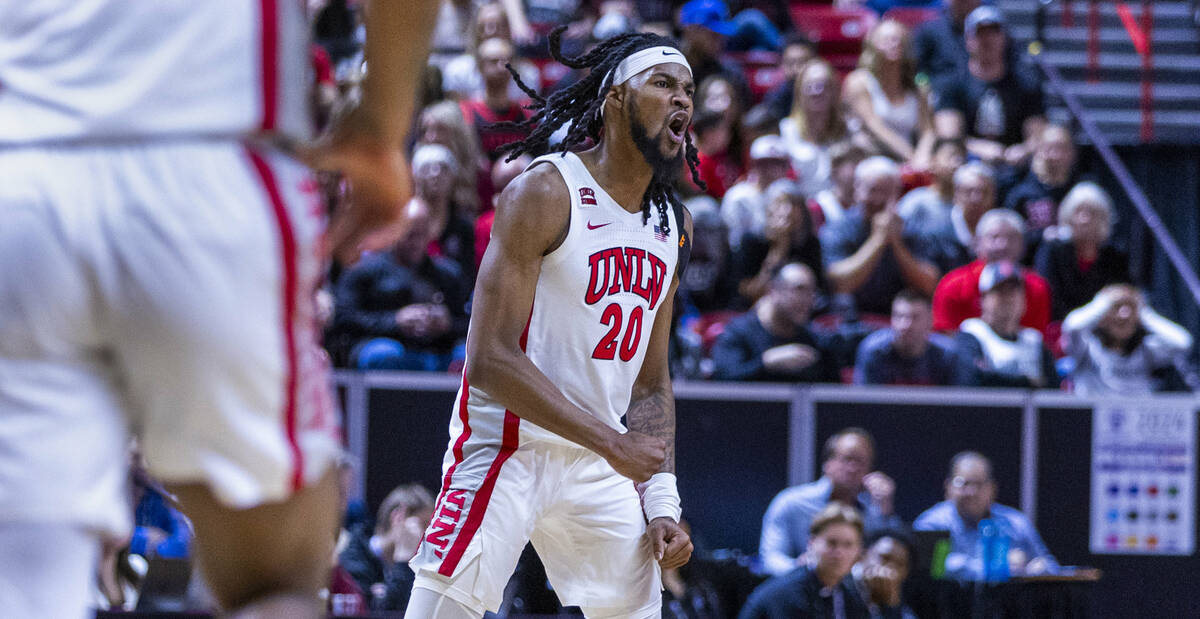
772, 341
403, 309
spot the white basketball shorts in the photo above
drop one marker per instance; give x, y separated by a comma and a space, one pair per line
584, 519
167, 287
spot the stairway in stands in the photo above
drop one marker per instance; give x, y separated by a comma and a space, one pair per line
1109, 82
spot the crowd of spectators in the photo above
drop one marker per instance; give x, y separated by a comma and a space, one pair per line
833, 547
912, 221
895, 186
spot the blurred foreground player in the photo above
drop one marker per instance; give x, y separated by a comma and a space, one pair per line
568, 334
161, 247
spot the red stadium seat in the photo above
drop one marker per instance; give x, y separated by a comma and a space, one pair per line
710, 326
844, 63
761, 69
835, 31
911, 16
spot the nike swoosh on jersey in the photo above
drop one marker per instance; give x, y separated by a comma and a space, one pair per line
593, 227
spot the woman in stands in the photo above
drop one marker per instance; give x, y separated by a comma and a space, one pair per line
1120, 345
1081, 261
816, 122
442, 123
884, 99
789, 237
461, 78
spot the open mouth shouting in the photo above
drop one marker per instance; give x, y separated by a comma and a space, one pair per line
677, 125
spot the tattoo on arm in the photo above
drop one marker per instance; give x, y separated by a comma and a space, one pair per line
654, 415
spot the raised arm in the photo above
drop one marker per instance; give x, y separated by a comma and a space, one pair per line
1081, 321
518, 22
851, 272
916, 271
397, 47
531, 220
367, 144
1175, 338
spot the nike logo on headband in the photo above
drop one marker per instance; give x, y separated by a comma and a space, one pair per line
644, 59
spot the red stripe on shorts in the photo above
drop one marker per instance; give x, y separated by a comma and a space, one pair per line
508, 444
287, 247
270, 61
462, 438
509, 441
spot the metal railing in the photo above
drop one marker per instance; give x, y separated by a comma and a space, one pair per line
802, 402
1104, 148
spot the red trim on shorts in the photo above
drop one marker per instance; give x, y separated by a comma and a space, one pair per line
462, 438
509, 441
508, 445
270, 61
287, 247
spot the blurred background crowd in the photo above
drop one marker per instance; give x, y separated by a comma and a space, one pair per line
936, 228
888, 207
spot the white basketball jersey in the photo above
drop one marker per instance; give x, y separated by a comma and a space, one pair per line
118, 69
593, 309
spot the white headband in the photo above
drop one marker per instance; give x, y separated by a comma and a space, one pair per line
640, 61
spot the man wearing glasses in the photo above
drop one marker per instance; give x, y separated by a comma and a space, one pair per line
970, 498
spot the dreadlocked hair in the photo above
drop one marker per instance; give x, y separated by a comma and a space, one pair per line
580, 106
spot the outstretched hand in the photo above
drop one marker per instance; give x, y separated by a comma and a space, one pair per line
672, 546
377, 171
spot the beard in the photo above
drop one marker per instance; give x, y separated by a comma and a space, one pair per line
665, 168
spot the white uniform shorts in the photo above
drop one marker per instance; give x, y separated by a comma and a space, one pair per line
165, 287
584, 519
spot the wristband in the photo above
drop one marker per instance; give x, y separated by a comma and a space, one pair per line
660, 497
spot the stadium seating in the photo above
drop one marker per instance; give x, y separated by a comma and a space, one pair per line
762, 71
911, 16
838, 33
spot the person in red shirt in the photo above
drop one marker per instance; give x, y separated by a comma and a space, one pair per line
502, 174
717, 168
496, 106
999, 235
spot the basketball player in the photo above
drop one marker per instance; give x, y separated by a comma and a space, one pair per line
160, 252
568, 334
